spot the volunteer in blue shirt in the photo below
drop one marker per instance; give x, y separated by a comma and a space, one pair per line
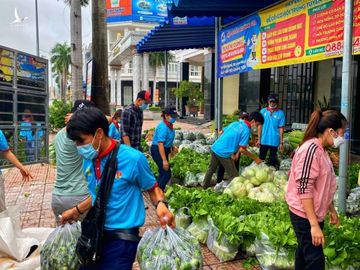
161, 145
271, 132
114, 129
228, 147
7, 154
125, 211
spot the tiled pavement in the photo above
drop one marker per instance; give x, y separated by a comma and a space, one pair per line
34, 200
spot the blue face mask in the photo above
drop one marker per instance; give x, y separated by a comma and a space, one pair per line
88, 151
172, 120
144, 106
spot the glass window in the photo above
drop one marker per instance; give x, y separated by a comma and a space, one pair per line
194, 71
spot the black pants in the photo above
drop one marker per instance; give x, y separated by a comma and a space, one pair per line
221, 171
164, 176
263, 152
307, 256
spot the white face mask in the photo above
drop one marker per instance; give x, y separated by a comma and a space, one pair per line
339, 140
273, 106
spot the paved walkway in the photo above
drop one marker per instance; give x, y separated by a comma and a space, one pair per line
34, 200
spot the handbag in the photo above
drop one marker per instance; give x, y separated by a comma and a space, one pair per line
89, 245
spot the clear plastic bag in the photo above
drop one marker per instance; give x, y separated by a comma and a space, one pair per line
190, 180
219, 245
183, 218
200, 230
220, 187
168, 249
271, 258
58, 251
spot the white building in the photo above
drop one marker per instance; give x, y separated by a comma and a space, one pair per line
131, 72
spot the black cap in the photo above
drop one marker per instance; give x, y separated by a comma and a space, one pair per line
82, 103
273, 97
172, 111
145, 95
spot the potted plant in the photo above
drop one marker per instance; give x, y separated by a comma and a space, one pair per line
194, 94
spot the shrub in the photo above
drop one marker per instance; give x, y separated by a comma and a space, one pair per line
57, 113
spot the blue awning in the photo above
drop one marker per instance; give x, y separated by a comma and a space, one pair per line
218, 8
180, 33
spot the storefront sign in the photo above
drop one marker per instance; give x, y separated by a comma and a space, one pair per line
136, 10
295, 31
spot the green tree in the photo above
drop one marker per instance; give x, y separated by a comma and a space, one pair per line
157, 60
76, 47
61, 60
100, 78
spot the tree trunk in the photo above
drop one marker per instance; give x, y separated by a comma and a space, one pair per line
100, 78
76, 50
63, 86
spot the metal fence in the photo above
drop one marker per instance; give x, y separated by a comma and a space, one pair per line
24, 105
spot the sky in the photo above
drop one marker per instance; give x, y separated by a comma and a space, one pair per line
54, 25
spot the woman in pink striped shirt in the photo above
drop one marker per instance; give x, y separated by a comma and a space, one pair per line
312, 185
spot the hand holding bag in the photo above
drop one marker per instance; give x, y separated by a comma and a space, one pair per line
89, 245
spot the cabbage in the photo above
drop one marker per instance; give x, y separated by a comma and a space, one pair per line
238, 189
248, 173
255, 181
262, 175
248, 186
261, 194
269, 186
228, 191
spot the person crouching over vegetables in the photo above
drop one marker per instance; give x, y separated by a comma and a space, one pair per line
114, 128
312, 185
162, 143
228, 147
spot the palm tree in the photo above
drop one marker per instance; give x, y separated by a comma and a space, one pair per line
100, 79
76, 47
61, 60
157, 60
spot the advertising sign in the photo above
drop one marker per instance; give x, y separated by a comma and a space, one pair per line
136, 10
292, 32
88, 79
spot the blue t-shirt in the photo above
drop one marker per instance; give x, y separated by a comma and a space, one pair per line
235, 135
4, 146
26, 131
125, 208
163, 134
270, 133
114, 132
3, 143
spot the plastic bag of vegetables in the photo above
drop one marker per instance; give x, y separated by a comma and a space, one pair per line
285, 164
219, 244
258, 174
199, 229
271, 258
183, 218
353, 201
58, 251
190, 180
169, 249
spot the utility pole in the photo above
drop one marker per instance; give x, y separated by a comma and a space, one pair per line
37, 28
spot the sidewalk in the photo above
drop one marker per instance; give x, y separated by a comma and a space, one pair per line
34, 200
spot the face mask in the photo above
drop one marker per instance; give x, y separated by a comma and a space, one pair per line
144, 106
339, 140
273, 106
88, 151
172, 120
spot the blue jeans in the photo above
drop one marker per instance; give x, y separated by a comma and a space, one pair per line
164, 176
307, 256
116, 255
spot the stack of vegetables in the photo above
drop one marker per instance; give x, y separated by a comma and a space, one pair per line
259, 182
228, 224
196, 141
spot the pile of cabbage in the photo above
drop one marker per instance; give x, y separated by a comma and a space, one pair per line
196, 141
259, 182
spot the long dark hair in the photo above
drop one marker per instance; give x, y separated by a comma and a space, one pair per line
321, 120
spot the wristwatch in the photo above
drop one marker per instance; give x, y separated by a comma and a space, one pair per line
162, 201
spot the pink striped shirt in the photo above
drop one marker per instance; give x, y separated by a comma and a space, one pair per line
311, 176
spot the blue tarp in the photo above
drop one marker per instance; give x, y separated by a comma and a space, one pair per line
218, 8
191, 23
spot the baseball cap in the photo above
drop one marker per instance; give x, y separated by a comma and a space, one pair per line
273, 97
172, 111
145, 95
82, 103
